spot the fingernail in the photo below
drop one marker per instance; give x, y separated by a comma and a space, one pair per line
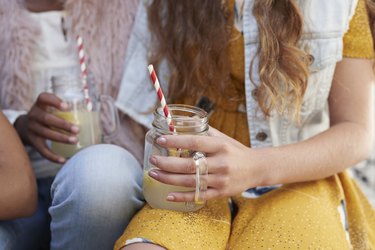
153, 160
170, 198
161, 140
63, 105
74, 129
72, 139
61, 160
153, 174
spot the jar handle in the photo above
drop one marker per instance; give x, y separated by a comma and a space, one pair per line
201, 172
112, 112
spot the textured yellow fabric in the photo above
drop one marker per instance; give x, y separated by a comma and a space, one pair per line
207, 228
358, 41
305, 216
295, 216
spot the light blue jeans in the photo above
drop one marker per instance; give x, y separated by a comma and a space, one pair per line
91, 201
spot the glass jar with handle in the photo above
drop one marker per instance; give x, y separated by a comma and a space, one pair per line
69, 89
186, 120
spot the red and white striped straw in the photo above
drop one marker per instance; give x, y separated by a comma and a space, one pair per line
83, 65
163, 103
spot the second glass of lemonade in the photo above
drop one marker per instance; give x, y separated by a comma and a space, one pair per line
186, 120
69, 89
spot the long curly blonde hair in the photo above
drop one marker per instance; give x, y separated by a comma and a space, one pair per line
193, 36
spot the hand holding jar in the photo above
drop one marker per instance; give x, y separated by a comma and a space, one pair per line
88, 120
229, 164
39, 125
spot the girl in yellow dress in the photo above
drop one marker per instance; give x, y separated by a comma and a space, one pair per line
290, 83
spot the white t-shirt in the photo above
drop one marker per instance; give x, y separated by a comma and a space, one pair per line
55, 54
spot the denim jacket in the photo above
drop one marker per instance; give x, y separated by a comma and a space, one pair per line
325, 23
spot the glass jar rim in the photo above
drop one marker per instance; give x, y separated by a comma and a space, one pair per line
159, 113
66, 80
199, 124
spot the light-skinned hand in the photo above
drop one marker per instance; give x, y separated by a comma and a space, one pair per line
229, 165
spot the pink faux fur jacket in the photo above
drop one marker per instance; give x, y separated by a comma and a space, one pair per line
105, 24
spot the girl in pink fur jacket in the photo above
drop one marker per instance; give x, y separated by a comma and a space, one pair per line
86, 202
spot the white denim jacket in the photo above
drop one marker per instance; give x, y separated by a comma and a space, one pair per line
325, 23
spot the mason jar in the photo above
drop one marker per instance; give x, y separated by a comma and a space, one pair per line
186, 120
69, 89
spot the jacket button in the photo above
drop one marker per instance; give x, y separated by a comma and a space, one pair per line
254, 94
261, 136
241, 108
311, 59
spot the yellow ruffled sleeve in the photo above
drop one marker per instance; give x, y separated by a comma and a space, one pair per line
358, 42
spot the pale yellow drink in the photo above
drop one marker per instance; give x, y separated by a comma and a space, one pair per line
156, 194
90, 132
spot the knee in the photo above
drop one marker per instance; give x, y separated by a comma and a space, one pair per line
102, 162
100, 176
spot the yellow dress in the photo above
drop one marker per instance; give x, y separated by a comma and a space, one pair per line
325, 214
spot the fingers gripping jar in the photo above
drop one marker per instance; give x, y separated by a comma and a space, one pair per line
186, 120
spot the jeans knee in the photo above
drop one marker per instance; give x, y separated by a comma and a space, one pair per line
102, 177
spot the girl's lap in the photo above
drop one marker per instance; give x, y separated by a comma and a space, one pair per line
307, 215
